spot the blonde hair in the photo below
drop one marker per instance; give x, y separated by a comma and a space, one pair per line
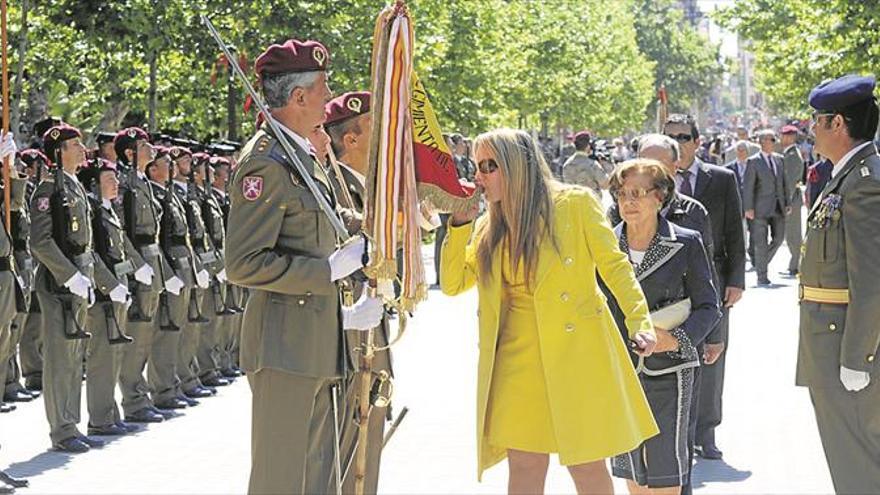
524, 215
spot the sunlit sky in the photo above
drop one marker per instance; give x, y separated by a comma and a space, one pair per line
728, 40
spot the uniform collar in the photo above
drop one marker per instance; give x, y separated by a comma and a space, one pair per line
357, 175
300, 141
847, 157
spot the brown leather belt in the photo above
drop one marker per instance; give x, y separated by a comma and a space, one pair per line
823, 296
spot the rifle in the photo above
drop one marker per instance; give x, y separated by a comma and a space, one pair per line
100, 233
165, 234
129, 216
194, 312
61, 234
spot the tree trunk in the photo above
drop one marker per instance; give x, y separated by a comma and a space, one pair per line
111, 119
18, 89
37, 104
152, 91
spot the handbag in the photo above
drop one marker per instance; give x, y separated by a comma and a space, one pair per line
672, 315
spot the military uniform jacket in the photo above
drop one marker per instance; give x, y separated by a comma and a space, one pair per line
764, 190
117, 257
145, 214
582, 170
174, 236
202, 247
278, 243
212, 213
57, 262
840, 252
7, 275
795, 172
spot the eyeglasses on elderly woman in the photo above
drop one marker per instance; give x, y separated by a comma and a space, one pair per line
631, 194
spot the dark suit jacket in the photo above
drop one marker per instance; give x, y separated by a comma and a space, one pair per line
732, 166
764, 191
676, 267
716, 189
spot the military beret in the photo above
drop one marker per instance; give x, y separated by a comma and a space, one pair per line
103, 138
201, 158
31, 156
44, 125
126, 138
788, 129
178, 152
842, 92
217, 161
346, 106
53, 138
582, 138
92, 170
162, 151
292, 56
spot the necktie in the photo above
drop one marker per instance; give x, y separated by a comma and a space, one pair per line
685, 187
770, 163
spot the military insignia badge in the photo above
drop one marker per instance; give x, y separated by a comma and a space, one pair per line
354, 104
252, 188
175, 152
319, 56
865, 172
827, 211
55, 134
43, 204
132, 133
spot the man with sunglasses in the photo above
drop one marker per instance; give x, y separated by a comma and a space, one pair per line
766, 202
839, 294
716, 188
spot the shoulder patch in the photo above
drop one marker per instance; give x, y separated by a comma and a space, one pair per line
252, 187
43, 204
865, 171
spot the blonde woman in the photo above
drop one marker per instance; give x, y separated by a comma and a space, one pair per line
554, 375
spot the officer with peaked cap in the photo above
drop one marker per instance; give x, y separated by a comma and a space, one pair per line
839, 294
292, 340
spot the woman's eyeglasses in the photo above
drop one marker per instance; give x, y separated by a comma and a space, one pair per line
487, 166
681, 138
631, 194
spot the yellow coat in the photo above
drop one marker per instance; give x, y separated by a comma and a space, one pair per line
597, 404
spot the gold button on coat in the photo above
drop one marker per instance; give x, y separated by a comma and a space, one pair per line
870, 358
564, 297
569, 328
568, 261
832, 327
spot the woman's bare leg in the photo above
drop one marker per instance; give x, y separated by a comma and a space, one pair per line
591, 478
528, 472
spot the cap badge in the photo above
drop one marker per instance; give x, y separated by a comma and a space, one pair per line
252, 188
319, 56
55, 134
354, 104
175, 152
132, 133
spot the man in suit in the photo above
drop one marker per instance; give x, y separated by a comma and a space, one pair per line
738, 167
839, 295
292, 335
795, 172
716, 188
742, 136
766, 201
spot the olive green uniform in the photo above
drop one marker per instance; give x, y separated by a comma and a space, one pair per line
229, 331
839, 262
793, 167
292, 344
209, 352
582, 170
117, 258
61, 311
10, 375
141, 214
163, 374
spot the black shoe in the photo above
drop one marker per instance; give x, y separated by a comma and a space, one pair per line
108, 430
216, 381
709, 451
230, 372
789, 273
34, 383
764, 282
165, 413
5, 408
12, 481
18, 396
128, 427
145, 415
211, 390
72, 445
172, 403
93, 443
198, 393
189, 402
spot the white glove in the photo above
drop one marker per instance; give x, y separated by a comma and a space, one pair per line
144, 275
854, 380
7, 146
119, 294
79, 285
203, 279
365, 314
221, 277
347, 259
174, 285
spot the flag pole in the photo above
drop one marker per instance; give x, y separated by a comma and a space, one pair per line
7, 162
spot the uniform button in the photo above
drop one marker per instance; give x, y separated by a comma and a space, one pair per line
569, 328
308, 294
568, 261
870, 358
301, 302
564, 297
832, 327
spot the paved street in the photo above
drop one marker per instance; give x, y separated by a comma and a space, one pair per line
768, 437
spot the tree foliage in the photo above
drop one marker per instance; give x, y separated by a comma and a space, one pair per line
799, 43
574, 63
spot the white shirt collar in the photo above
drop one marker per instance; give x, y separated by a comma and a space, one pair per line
156, 183
72, 176
182, 185
357, 175
846, 158
300, 141
221, 192
106, 204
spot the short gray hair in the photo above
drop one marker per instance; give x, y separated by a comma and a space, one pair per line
660, 141
765, 133
277, 87
742, 144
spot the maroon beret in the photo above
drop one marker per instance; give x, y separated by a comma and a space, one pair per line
31, 156
217, 161
789, 129
126, 139
92, 170
346, 106
162, 151
292, 56
53, 138
178, 152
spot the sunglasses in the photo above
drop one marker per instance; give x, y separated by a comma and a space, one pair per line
636, 194
816, 116
681, 138
487, 166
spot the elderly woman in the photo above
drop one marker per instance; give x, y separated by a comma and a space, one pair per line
673, 269
554, 375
